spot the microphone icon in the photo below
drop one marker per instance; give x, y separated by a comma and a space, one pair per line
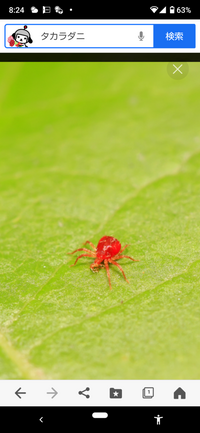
141, 36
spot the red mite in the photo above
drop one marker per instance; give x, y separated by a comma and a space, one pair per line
108, 250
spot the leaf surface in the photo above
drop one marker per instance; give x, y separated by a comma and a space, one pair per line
88, 150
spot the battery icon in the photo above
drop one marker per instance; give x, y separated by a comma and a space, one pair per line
172, 10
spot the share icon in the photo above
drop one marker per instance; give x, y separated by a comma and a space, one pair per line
82, 392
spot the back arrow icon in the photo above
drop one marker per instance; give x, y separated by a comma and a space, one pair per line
18, 392
41, 419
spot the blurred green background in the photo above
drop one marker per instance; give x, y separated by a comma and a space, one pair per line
87, 150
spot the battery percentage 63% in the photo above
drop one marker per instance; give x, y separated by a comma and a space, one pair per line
183, 10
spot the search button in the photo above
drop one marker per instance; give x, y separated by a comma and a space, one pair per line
174, 36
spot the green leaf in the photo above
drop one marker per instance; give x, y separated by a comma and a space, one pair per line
87, 150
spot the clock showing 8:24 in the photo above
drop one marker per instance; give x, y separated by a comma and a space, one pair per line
16, 10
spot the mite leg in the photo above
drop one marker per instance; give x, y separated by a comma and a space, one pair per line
120, 268
122, 249
82, 255
83, 249
127, 257
108, 272
96, 265
91, 244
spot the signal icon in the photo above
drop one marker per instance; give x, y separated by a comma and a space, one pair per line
154, 9
163, 11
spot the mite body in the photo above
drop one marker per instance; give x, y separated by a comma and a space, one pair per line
107, 251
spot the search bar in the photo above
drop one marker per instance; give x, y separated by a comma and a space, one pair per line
99, 36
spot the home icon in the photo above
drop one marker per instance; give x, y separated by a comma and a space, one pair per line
179, 393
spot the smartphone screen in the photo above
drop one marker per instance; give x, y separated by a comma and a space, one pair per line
100, 215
